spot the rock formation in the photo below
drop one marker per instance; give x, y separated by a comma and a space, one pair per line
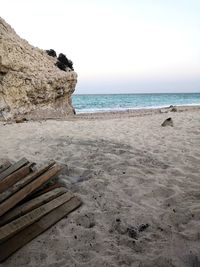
31, 85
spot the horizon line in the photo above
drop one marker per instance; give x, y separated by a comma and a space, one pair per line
136, 93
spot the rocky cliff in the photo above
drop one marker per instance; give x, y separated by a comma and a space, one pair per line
31, 85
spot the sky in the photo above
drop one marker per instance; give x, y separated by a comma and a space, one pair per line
117, 46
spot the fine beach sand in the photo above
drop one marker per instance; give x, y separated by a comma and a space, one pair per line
139, 182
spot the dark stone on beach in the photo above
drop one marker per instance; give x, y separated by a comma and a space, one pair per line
51, 52
143, 227
92, 224
167, 122
173, 108
132, 232
20, 120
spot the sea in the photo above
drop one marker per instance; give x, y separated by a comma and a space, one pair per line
89, 103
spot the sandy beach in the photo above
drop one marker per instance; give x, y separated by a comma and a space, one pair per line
139, 182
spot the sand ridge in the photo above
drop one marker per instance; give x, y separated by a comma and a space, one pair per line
139, 183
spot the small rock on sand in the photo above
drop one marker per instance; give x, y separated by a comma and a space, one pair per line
167, 122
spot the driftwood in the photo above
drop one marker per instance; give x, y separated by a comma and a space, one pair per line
19, 240
21, 183
31, 201
15, 177
14, 168
46, 189
28, 189
5, 166
22, 222
30, 205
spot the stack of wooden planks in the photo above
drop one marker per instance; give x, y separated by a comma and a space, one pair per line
31, 201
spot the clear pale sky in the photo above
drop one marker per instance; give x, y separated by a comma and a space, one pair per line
117, 46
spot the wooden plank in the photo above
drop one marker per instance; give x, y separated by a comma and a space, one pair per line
46, 189
21, 183
29, 188
22, 162
22, 222
5, 166
30, 205
15, 177
20, 239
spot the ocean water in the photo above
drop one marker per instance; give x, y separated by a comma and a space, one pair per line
116, 102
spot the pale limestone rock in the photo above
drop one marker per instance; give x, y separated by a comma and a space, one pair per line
30, 83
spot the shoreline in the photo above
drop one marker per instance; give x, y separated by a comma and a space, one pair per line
133, 112
106, 115
130, 109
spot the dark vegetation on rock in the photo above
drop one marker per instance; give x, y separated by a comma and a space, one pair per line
62, 61
62, 58
51, 53
60, 65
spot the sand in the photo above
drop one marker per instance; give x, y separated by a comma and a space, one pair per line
140, 184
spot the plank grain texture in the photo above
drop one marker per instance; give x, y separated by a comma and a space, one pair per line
24, 181
15, 177
5, 166
22, 222
20, 239
29, 188
30, 205
17, 165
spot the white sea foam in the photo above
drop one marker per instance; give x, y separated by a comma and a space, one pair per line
99, 110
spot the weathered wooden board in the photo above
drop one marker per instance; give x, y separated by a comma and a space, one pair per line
28, 189
20, 239
46, 189
21, 183
5, 166
22, 222
30, 205
15, 177
13, 168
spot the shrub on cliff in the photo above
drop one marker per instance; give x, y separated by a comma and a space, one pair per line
51, 53
63, 62
62, 58
61, 65
70, 64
